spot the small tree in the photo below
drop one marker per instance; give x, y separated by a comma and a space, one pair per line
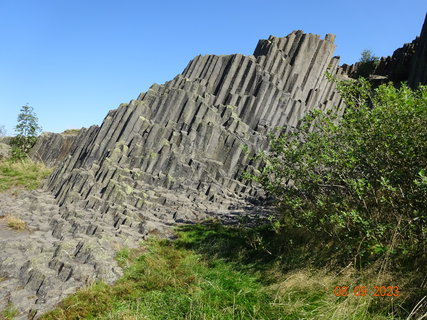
27, 130
367, 64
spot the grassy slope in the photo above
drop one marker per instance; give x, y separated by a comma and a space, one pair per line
201, 276
22, 173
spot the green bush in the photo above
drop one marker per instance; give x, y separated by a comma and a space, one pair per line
358, 183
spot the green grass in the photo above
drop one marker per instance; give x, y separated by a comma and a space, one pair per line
168, 282
183, 279
9, 313
22, 173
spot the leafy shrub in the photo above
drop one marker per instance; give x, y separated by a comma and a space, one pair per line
358, 182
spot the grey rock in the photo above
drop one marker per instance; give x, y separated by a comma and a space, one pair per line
53, 148
408, 63
180, 144
418, 71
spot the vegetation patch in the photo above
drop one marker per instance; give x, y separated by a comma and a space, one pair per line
356, 183
71, 131
194, 277
15, 223
168, 282
9, 312
22, 173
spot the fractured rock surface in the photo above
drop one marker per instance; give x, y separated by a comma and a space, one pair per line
60, 250
174, 155
408, 63
64, 248
53, 148
182, 147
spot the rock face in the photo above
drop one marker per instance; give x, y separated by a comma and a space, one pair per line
408, 63
174, 155
418, 72
53, 148
178, 151
60, 250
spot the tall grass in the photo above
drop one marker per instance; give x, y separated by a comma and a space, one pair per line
175, 280
22, 173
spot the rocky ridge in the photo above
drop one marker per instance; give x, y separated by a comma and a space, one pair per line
53, 148
408, 63
183, 146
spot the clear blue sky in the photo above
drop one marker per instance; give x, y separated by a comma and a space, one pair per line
73, 60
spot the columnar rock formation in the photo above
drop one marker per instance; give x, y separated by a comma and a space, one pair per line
408, 63
178, 150
53, 148
175, 154
418, 72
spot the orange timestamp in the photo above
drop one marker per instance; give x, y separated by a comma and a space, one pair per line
362, 291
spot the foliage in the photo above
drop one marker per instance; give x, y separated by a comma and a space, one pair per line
367, 56
171, 283
27, 130
9, 313
358, 184
22, 173
175, 280
367, 64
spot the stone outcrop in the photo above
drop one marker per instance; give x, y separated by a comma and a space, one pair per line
181, 147
173, 155
53, 148
408, 63
418, 72
58, 252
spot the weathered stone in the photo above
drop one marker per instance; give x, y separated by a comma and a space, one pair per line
418, 71
408, 63
53, 148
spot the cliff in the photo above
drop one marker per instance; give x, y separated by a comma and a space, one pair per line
406, 64
177, 151
53, 148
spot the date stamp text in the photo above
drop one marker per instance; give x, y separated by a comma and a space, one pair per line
362, 291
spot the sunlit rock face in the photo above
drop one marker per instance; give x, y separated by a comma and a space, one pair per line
406, 64
178, 151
